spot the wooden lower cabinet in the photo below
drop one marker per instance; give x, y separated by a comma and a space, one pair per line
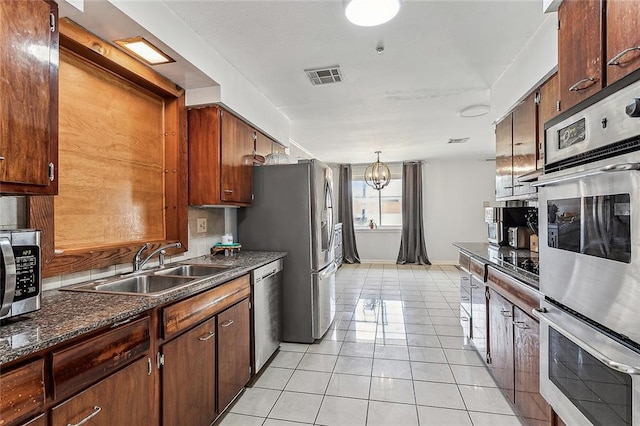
526, 348
41, 420
234, 356
120, 399
189, 377
501, 342
479, 331
21, 391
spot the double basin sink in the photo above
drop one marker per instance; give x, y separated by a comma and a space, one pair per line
151, 282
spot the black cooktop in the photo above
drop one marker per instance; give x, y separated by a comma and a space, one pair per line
528, 264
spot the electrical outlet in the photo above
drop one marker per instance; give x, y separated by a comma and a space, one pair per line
201, 225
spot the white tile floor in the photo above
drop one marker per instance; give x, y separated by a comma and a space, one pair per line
394, 355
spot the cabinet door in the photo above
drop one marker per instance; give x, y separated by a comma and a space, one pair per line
21, 391
623, 20
29, 87
234, 358
501, 342
547, 109
188, 377
504, 157
526, 341
580, 47
525, 137
204, 155
276, 147
237, 140
121, 399
263, 145
479, 316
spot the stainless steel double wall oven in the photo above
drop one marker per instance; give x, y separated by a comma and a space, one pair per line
590, 262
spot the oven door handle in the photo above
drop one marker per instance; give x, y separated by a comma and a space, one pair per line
543, 315
9, 280
622, 167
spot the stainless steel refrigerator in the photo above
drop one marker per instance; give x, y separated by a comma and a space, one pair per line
292, 211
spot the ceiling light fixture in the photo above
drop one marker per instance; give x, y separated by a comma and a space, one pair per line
377, 175
369, 13
144, 50
474, 111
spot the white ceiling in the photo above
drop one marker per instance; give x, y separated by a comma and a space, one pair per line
439, 57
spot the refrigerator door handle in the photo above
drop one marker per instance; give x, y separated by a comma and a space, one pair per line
328, 271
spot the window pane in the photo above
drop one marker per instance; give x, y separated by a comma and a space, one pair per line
367, 202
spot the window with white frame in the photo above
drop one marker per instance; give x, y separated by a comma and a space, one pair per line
384, 207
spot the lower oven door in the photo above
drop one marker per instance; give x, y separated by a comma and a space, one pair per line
585, 375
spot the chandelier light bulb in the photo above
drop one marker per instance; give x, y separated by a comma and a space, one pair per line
369, 13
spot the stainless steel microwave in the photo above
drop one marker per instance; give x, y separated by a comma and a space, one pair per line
20, 272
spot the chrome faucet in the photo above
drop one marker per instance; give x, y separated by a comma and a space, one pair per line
138, 263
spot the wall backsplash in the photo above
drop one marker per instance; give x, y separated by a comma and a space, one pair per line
219, 222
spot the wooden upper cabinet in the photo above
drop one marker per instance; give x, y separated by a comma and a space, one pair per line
623, 39
504, 158
29, 101
547, 109
264, 145
220, 158
276, 147
525, 140
237, 139
580, 48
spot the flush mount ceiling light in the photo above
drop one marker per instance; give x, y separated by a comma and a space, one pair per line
144, 50
368, 13
474, 111
377, 175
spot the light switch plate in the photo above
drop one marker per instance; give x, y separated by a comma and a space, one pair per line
201, 225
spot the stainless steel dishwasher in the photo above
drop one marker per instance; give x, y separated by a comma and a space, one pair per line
266, 286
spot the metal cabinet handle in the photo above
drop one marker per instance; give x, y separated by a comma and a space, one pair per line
465, 278
465, 298
228, 191
207, 336
1, 158
464, 319
95, 412
577, 87
227, 323
506, 313
616, 59
521, 325
474, 286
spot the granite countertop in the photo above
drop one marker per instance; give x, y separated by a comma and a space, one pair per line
68, 314
494, 256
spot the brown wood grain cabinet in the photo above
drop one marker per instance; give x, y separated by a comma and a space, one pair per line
501, 335
580, 50
29, 101
548, 104
120, 399
221, 149
276, 147
189, 377
41, 420
234, 356
525, 141
504, 157
21, 391
622, 39
264, 144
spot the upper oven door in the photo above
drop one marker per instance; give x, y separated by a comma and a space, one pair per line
590, 240
586, 376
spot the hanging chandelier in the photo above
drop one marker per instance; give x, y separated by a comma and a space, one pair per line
377, 175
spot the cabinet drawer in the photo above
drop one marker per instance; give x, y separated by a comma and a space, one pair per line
90, 360
182, 315
478, 269
21, 391
517, 292
463, 261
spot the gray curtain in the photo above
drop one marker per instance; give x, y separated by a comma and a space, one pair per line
345, 215
412, 246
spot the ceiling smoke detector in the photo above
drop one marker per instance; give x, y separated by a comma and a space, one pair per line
325, 75
459, 140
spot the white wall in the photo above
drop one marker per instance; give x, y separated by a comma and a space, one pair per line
454, 192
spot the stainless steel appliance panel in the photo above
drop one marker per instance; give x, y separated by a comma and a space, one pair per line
324, 300
266, 286
603, 123
586, 376
322, 219
605, 290
20, 272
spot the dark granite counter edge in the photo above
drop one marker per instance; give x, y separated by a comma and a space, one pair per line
65, 314
480, 251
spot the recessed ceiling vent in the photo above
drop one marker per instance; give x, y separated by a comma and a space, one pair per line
460, 140
326, 75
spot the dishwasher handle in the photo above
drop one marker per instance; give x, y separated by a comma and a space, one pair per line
274, 268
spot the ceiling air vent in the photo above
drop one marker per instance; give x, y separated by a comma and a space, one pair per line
460, 140
324, 75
